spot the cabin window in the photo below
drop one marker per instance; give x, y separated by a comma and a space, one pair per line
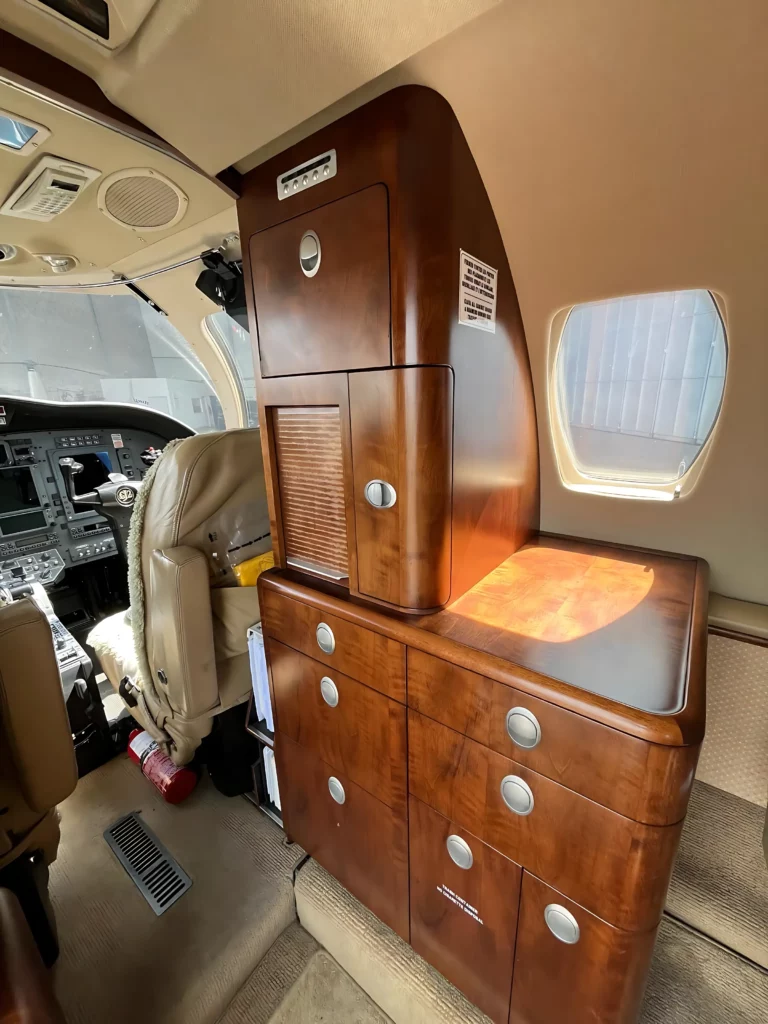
234, 343
637, 386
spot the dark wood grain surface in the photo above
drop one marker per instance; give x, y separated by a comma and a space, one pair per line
364, 735
465, 646
401, 426
339, 318
463, 921
644, 781
362, 842
599, 978
617, 868
360, 653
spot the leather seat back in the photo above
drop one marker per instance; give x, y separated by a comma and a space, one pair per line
206, 512
37, 759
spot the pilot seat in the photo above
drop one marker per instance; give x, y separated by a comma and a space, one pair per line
179, 656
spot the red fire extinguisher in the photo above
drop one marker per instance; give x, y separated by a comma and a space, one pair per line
174, 783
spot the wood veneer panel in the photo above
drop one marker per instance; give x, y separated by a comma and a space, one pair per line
644, 781
339, 318
364, 735
310, 467
360, 653
401, 426
617, 868
599, 978
362, 842
472, 942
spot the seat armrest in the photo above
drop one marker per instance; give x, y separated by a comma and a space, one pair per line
33, 716
26, 995
180, 630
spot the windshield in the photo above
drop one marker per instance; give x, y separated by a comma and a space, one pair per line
76, 347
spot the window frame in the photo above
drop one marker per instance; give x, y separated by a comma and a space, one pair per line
229, 366
571, 477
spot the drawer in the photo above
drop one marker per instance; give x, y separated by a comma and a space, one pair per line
645, 781
360, 841
592, 972
337, 318
618, 868
463, 915
348, 725
360, 653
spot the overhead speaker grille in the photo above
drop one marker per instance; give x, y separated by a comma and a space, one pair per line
142, 199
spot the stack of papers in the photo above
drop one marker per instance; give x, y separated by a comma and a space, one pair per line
259, 677
270, 771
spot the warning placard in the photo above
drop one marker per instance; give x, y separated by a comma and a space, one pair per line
477, 293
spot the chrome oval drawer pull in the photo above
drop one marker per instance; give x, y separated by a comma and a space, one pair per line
523, 728
460, 853
562, 924
310, 254
329, 691
336, 790
380, 494
517, 795
326, 641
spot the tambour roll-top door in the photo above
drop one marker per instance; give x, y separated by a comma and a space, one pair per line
309, 455
321, 288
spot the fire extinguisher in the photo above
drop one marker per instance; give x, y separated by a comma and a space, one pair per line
174, 783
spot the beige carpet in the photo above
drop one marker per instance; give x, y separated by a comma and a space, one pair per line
720, 884
119, 962
692, 980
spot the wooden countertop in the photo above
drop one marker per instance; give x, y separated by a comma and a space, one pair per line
615, 633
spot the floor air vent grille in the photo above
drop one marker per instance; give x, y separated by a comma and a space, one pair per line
152, 869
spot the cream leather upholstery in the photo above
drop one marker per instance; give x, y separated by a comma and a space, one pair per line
37, 759
204, 511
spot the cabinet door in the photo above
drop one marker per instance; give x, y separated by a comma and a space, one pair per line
575, 968
464, 903
359, 840
328, 311
348, 725
401, 424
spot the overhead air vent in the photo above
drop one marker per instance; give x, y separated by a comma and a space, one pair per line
142, 199
49, 189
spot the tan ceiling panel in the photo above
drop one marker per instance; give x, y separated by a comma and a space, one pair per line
97, 241
218, 80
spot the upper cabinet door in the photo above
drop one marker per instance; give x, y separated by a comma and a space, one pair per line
321, 287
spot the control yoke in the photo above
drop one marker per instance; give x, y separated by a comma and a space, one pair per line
115, 499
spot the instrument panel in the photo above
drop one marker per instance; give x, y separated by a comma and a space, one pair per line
41, 532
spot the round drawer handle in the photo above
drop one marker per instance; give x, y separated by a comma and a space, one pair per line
523, 728
517, 795
329, 691
336, 790
562, 924
460, 853
380, 494
326, 641
310, 253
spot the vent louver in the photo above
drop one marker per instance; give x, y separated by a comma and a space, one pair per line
153, 871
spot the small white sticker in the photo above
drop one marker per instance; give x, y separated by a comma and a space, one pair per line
117, 440
141, 744
477, 293
466, 907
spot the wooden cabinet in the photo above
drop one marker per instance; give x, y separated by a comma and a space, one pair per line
463, 908
401, 427
356, 837
617, 867
597, 975
360, 653
339, 317
345, 723
648, 782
